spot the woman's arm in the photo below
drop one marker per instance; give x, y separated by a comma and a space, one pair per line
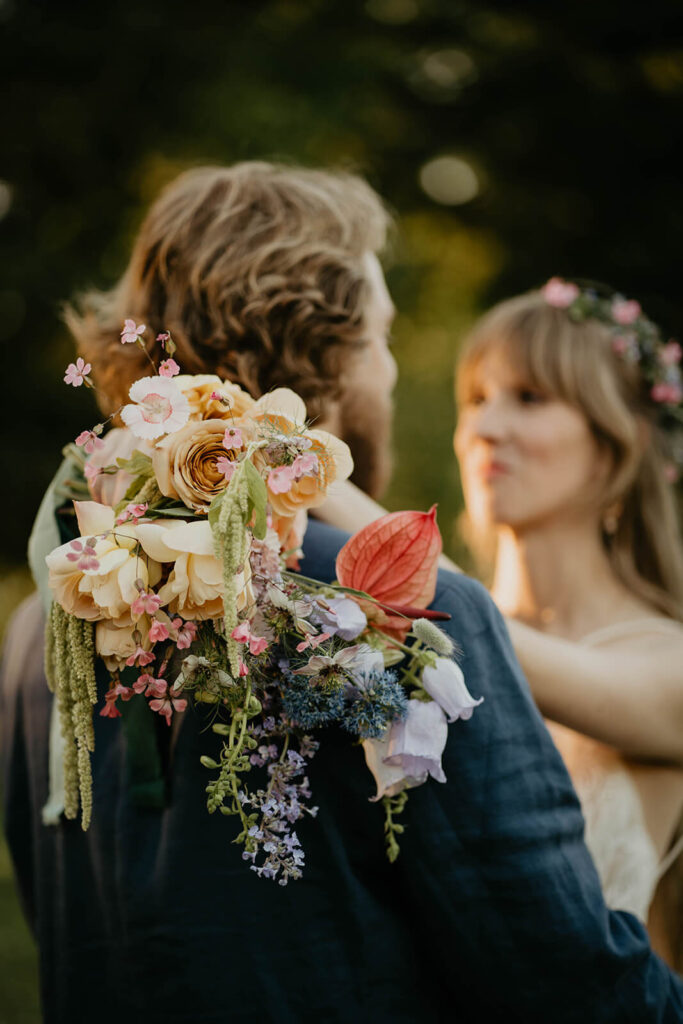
631, 700
348, 508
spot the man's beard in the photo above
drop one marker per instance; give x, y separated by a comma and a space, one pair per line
365, 425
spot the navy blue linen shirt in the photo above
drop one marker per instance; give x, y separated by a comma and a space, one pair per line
493, 909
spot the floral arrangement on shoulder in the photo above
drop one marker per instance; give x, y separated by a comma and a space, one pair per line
182, 579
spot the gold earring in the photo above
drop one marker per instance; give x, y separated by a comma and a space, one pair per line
611, 517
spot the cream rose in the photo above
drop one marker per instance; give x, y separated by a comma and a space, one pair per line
194, 588
186, 463
107, 591
198, 389
114, 641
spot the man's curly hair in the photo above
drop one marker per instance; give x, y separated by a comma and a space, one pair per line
257, 272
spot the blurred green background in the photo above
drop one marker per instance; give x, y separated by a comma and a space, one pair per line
513, 141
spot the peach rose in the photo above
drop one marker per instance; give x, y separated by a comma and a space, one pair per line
107, 590
194, 588
198, 389
186, 463
282, 414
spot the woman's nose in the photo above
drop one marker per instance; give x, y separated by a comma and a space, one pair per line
491, 421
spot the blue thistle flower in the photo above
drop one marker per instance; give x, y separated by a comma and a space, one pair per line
310, 705
375, 706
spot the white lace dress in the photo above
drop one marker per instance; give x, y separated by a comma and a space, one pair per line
616, 835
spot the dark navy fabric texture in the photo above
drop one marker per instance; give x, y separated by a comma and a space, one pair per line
493, 910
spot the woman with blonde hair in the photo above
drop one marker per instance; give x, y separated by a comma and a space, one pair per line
569, 431
568, 434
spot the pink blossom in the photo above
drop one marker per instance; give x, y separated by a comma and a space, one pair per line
77, 372
670, 394
280, 480
132, 513
186, 633
84, 556
124, 692
312, 641
305, 465
671, 473
243, 670
131, 332
233, 438
158, 631
226, 466
670, 354
163, 338
141, 657
91, 472
89, 441
110, 709
146, 602
150, 686
559, 293
168, 368
159, 407
625, 311
243, 635
143, 681
216, 396
166, 706
157, 688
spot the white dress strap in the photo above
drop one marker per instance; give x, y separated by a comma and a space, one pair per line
670, 857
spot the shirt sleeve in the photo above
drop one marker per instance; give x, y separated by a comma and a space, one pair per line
496, 860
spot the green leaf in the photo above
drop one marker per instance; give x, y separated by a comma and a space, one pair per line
174, 511
258, 498
215, 510
138, 464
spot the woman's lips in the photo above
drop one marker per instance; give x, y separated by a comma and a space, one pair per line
492, 469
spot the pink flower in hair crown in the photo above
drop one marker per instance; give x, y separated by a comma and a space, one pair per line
625, 311
670, 354
665, 392
559, 293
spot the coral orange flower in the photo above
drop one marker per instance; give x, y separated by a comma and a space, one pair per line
395, 561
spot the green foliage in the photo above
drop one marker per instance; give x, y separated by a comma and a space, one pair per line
393, 806
139, 464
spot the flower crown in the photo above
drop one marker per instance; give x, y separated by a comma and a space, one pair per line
638, 341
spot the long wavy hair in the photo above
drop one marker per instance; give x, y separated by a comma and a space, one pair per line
576, 363
255, 269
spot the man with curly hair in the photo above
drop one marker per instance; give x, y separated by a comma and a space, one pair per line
269, 276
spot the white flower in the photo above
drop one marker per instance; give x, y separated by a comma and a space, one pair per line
342, 617
346, 658
299, 610
445, 684
160, 407
390, 779
417, 742
366, 665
